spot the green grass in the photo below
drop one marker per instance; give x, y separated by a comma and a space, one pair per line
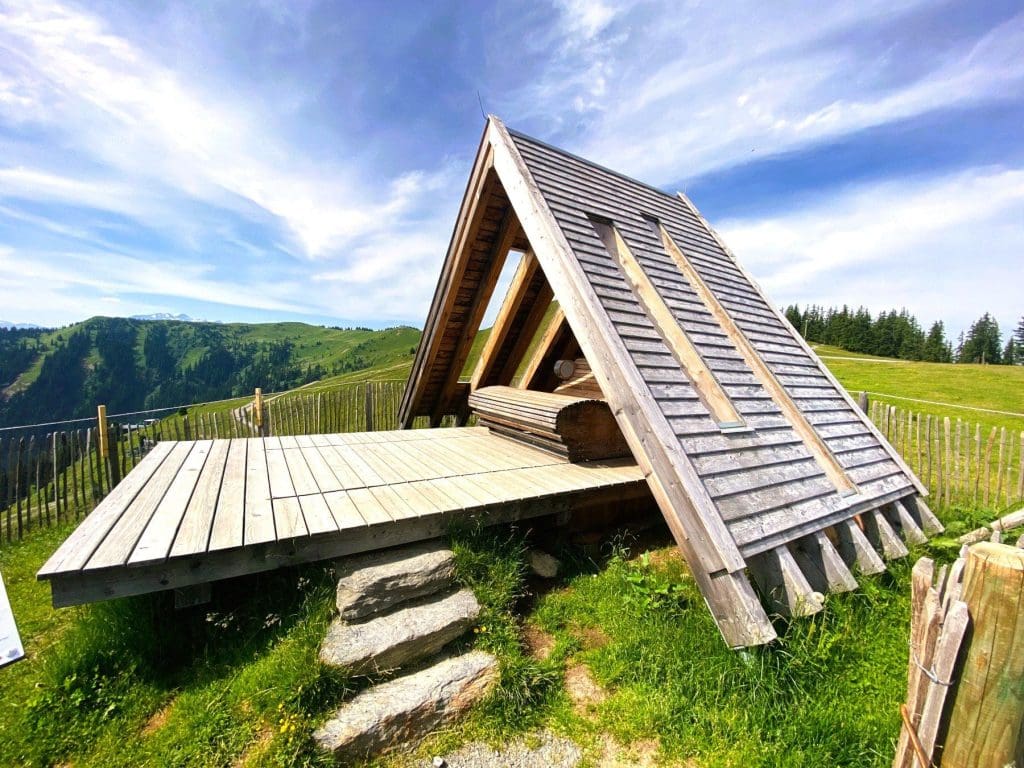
993, 387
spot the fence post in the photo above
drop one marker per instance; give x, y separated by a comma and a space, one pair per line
985, 727
101, 430
369, 407
257, 411
862, 401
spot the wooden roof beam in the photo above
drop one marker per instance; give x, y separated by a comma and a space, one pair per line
446, 402
804, 429
548, 350
474, 202
521, 314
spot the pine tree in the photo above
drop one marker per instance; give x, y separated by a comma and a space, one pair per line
936, 349
983, 343
1018, 335
1011, 355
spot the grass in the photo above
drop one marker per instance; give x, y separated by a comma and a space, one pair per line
993, 387
237, 682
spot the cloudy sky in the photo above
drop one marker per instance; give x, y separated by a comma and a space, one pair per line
304, 160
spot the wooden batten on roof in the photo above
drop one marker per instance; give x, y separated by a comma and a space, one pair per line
763, 467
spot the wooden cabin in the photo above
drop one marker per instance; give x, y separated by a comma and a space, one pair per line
632, 357
761, 464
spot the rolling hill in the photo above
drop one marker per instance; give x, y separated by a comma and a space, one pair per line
132, 364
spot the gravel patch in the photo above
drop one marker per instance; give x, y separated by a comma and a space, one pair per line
548, 751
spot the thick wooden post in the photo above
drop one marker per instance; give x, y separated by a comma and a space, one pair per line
862, 401
986, 727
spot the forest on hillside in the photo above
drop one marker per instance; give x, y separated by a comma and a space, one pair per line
133, 365
900, 335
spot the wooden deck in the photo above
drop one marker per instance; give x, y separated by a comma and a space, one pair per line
197, 511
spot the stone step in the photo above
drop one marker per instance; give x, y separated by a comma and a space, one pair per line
406, 634
376, 582
407, 708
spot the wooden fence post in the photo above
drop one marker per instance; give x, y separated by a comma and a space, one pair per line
986, 727
862, 401
101, 430
257, 410
369, 407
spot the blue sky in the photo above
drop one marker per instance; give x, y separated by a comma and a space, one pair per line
266, 161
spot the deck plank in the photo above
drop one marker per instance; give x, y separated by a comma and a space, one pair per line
155, 541
259, 509
120, 541
229, 519
324, 477
302, 477
194, 533
80, 545
317, 514
344, 511
288, 519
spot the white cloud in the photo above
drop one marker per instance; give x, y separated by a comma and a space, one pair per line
946, 248
131, 114
697, 87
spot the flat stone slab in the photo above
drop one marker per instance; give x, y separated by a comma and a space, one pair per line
409, 707
406, 634
376, 582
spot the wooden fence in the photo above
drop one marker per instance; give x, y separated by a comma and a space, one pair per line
959, 461
50, 477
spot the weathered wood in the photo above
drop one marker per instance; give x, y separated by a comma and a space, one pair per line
986, 724
580, 429
547, 351
783, 584
882, 536
519, 317
779, 394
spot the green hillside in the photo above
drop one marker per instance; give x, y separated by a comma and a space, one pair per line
135, 364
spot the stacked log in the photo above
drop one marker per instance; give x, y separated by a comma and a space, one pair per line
577, 428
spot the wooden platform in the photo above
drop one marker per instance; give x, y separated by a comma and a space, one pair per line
193, 512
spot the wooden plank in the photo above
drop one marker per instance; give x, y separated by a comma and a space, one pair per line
370, 509
288, 520
228, 529
277, 471
544, 355
783, 584
302, 478
706, 543
317, 515
155, 542
822, 564
194, 533
477, 192
344, 511
474, 316
258, 524
855, 549
320, 470
81, 544
882, 536
521, 313
120, 541
674, 337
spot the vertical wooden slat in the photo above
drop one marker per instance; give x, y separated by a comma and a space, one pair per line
999, 466
988, 465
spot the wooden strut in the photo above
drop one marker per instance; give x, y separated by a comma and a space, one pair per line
521, 313
807, 433
546, 351
707, 386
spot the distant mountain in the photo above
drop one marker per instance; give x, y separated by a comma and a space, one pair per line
19, 326
130, 364
167, 316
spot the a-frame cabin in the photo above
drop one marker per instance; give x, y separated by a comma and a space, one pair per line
761, 464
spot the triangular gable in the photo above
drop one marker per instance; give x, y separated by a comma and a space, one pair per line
756, 456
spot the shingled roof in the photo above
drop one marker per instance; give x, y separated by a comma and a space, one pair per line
760, 462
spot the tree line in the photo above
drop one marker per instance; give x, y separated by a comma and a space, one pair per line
899, 334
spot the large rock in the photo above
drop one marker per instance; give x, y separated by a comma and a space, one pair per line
407, 708
376, 582
404, 635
